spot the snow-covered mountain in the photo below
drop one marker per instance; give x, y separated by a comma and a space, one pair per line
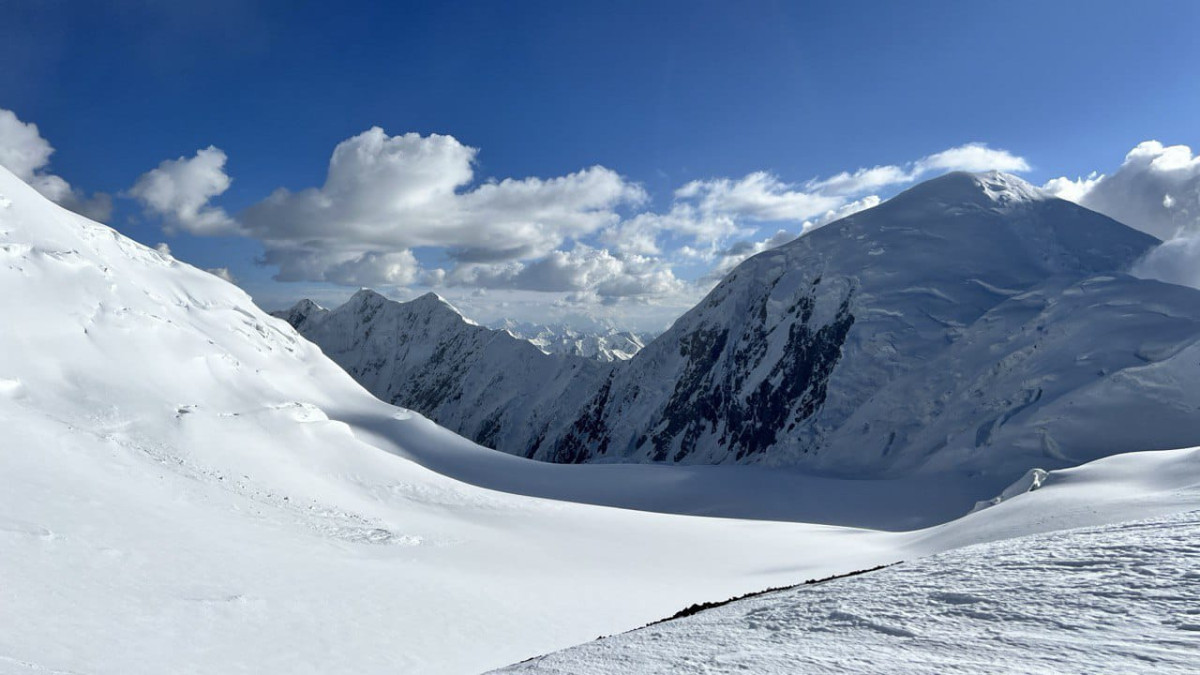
483, 383
608, 344
970, 323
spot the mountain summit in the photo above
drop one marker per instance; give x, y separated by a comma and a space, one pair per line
970, 323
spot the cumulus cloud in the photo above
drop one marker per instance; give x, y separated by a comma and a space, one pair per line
757, 196
641, 233
970, 157
24, 152
179, 190
1156, 190
583, 269
222, 273
384, 195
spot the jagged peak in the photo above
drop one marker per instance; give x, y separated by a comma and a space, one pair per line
429, 299
366, 295
428, 303
305, 306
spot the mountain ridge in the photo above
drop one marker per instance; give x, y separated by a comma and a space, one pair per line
806, 355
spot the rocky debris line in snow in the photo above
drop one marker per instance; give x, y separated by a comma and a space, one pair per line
971, 323
1119, 598
692, 610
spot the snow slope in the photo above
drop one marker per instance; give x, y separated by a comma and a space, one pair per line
1039, 596
1117, 599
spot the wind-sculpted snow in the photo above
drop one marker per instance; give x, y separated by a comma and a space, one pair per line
970, 324
1115, 599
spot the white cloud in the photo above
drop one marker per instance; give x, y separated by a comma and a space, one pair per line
163, 248
974, 157
222, 273
583, 269
179, 190
397, 268
24, 152
862, 180
757, 196
847, 209
1156, 189
640, 234
384, 195
1176, 262
970, 157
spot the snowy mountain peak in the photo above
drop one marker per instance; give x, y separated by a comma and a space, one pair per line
366, 298
306, 306
989, 190
301, 313
435, 303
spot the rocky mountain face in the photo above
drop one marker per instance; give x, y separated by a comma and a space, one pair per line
483, 383
971, 323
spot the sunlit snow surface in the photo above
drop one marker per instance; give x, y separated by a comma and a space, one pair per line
1114, 599
188, 486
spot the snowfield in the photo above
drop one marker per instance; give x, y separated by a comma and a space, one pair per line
187, 486
1114, 599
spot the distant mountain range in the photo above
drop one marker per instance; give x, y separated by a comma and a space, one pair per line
971, 323
607, 344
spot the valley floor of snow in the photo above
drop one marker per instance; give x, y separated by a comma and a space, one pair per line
187, 486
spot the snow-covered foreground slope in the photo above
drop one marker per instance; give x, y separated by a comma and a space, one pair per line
1114, 599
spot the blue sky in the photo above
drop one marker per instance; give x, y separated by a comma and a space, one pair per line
647, 97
